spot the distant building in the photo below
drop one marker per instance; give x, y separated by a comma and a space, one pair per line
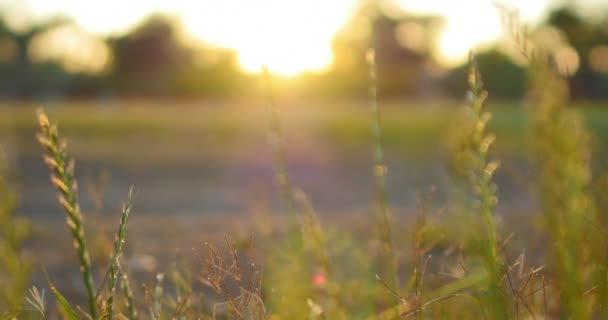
403, 55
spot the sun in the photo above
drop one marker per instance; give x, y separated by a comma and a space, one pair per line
288, 37
292, 57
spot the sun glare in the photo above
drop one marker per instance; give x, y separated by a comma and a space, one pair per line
292, 36
289, 37
283, 61
471, 24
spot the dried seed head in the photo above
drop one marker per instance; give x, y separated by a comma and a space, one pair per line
63, 146
73, 227
69, 169
43, 120
491, 168
483, 121
59, 184
45, 142
50, 162
64, 203
486, 143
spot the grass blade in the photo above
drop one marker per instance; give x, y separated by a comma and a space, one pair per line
118, 244
64, 306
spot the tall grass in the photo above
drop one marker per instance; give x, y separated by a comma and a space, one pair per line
562, 153
14, 270
563, 160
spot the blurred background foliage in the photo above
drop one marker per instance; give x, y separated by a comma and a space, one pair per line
56, 58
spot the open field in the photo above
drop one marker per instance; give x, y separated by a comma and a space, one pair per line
203, 171
214, 157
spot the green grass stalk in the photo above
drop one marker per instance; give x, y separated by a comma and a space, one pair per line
383, 219
277, 144
128, 293
115, 261
62, 177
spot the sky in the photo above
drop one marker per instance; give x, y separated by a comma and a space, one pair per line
289, 36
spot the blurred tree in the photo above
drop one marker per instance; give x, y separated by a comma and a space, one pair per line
26, 78
576, 43
502, 77
154, 59
216, 73
147, 60
584, 35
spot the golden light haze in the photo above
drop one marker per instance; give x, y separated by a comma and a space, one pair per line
288, 36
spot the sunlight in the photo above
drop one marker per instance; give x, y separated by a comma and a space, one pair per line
471, 26
292, 36
289, 37
284, 62
453, 47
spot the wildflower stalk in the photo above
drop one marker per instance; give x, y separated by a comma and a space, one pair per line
115, 259
62, 177
383, 219
481, 174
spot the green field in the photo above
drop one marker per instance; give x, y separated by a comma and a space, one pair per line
408, 128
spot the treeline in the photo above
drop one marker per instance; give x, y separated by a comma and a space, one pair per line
155, 59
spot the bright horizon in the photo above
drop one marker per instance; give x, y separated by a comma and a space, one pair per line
288, 36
